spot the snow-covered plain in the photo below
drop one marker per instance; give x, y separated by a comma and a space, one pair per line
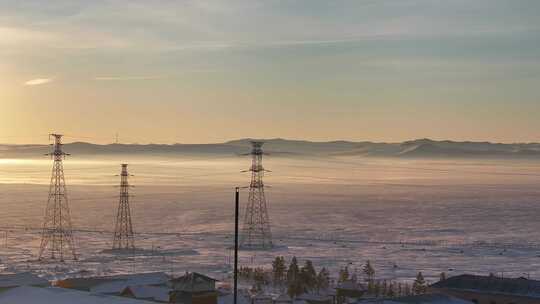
457, 216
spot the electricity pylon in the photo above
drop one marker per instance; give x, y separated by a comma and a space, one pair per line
57, 235
256, 233
123, 231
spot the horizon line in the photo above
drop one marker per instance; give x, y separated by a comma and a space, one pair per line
275, 139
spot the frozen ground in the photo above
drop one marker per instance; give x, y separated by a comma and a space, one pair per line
433, 216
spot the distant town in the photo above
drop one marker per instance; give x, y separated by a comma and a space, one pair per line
287, 282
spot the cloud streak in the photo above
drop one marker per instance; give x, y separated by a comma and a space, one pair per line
37, 81
124, 78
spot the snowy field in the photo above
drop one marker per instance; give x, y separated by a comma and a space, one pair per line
404, 215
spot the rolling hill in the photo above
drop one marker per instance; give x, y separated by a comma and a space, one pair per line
421, 148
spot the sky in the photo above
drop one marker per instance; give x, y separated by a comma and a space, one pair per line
210, 71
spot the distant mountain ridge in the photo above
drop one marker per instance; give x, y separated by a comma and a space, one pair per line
420, 148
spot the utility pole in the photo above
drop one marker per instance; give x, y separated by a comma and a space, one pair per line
256, 232
236, 215
57, 234
123, 231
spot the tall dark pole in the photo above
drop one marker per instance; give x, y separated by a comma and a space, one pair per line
237, 195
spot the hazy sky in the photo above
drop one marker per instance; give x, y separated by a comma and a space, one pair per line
208, 71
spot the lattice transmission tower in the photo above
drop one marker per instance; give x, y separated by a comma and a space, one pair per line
57, 235
123, 230
256, 233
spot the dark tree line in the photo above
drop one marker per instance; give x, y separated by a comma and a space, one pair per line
305, 279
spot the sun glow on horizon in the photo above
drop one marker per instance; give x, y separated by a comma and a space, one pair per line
210, 71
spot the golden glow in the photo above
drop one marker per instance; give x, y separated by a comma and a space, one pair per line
198, 75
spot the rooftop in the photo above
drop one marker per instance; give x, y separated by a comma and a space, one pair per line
193, 277
32, 295
157, 293
314, 297
21, 279
492, 284
418, 299
229, 299
116, 283
193, 282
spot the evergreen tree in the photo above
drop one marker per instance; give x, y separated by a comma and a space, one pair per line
384, 288
354, 277
255, 289
344, 274
323, 280
371, 287
308, 276
369, 271
279, 269
246, 273
293, 271
443, 276
419, 285
391, 291
294, 286
259, 276
377, 289
408, 291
